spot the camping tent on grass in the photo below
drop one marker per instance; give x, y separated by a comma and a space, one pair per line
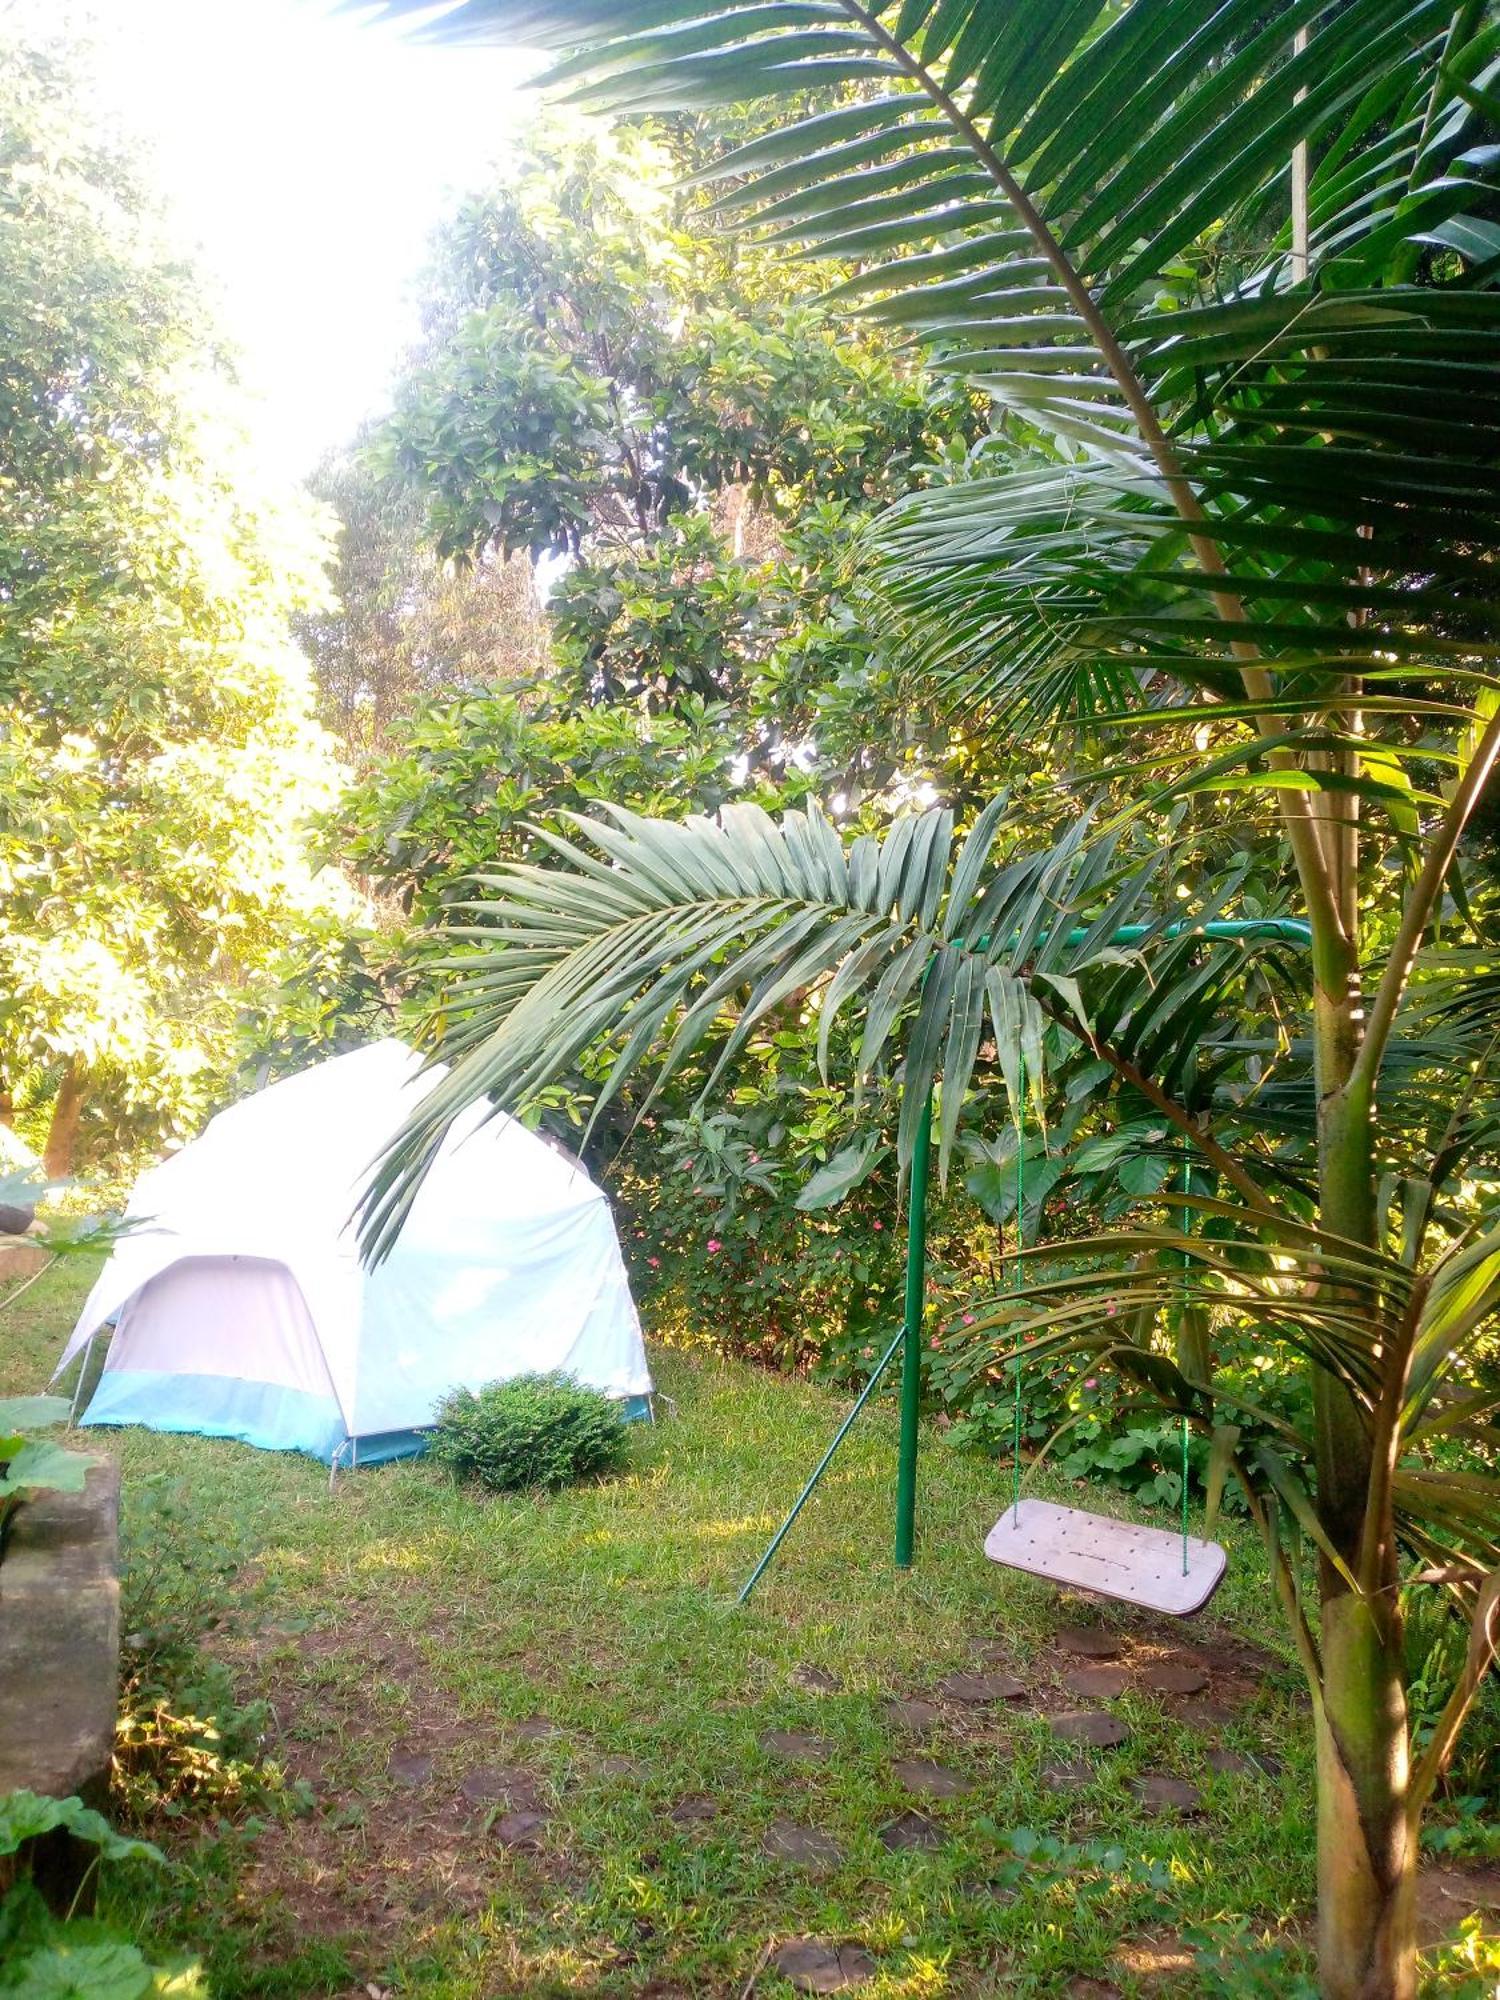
241, 1308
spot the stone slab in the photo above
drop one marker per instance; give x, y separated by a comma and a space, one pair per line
60, 1640
816, 1965
60, 1666
1091, 1726
936, 1780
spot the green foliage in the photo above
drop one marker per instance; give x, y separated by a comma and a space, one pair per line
46, 1957
30, 1465
25, 1816
475, 779
160, 754
675, 619
591, 372
534, 1431
722, 1251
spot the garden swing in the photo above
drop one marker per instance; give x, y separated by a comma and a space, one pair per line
1149, 1567
1153, 1568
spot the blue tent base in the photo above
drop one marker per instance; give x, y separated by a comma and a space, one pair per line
259, 1414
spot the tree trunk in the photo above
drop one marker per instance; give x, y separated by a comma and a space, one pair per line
1366, 1842
62, 1133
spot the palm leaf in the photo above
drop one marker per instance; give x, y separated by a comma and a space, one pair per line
655, 937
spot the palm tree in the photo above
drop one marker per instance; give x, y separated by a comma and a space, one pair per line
1225, 269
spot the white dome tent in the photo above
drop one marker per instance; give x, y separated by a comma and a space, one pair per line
242, 1310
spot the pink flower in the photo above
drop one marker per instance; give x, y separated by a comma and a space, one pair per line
935, 1341
654, 1262
714, 1246
755, 1159
1092, 1382
880, 1225
968, 1319
1110, 1311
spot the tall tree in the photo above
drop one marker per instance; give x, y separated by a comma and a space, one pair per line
405, 625
160, 752
1250, 509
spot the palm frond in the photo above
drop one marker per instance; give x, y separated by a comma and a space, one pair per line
657, 936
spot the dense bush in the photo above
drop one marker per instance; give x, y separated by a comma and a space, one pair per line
535, 1430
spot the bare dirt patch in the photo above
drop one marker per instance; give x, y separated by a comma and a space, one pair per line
419, 1811
1447, 1893
1159, 1960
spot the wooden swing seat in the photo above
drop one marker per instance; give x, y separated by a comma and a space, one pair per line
1137, 1565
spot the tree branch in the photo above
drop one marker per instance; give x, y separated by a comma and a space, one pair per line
1484, 1645
1285, 1584
1177, 1114
1421, 903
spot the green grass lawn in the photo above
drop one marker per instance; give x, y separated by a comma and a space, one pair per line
535, 1730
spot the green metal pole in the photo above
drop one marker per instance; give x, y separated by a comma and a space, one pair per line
822, 1466
1290, 930
911, 1343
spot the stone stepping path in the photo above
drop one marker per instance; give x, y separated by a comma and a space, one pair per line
979, 1690
797, 1745
913, 1714
1092, 1726
1206, 1713
1174, 1676
1088, 1642
1161, 1794
991, 1652
816, 1680
1096, 1681
1071, 1775
533, 1728
1234, 1764
815, 1965
784, 1840
409, 1767
910, 1830
492, 1782
520, 1829
934, 1779
696, 1806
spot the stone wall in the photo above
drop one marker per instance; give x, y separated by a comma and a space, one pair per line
59, 1661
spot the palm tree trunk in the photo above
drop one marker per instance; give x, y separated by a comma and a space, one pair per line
1366, 1838
1366, 1843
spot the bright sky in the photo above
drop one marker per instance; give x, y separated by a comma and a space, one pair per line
307, 157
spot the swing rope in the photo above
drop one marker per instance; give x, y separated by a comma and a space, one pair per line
1015, 1473
1187, 1223
1015, 1480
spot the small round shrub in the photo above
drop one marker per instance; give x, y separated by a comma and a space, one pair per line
535, 1430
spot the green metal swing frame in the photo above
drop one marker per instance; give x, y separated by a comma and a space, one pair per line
908, 1342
